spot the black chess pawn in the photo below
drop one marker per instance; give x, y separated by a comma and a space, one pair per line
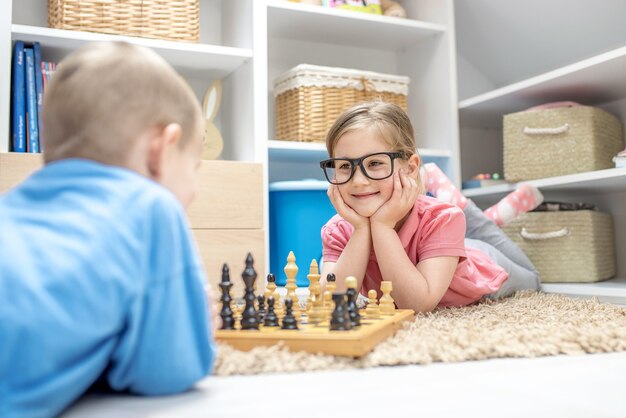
249, 319
261, 308
228, 319
289, 320
271, 320
340, 318
330, 277
271, 278
353, 309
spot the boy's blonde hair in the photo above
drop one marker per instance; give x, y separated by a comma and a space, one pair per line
105, 95
389, 119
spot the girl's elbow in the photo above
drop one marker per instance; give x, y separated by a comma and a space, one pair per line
424, 307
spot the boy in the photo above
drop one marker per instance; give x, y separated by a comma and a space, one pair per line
100, 279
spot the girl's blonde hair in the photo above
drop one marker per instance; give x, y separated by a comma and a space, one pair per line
105, 95
389, 119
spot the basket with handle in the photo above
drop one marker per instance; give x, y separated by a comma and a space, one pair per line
566, 246
309, 98
558, 141
174, 20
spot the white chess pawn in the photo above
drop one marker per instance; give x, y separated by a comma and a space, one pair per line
387, 305
372, 310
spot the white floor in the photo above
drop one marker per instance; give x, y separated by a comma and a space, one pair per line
563, 386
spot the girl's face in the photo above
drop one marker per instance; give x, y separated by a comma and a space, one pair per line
362, 194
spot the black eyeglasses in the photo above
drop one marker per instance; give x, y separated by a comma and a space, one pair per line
377, 166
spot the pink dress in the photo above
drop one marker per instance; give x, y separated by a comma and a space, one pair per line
432, 229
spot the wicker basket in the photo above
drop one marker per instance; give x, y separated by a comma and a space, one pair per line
567, 246
310, 98
174, 20
555, 142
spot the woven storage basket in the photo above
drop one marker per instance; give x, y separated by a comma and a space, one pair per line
174, 20
309, 98
567, 246
555, 142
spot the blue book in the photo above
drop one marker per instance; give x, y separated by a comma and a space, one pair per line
32, 130
38, 86
18, 104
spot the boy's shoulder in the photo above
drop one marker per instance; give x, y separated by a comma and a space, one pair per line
91, 184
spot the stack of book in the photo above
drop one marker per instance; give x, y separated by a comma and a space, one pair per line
620, 159
29, 77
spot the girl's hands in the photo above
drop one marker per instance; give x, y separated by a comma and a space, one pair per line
345, 211
401, 201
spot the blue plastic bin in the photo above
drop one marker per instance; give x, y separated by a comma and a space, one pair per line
298, 210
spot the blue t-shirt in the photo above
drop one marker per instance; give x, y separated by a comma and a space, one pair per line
99, 278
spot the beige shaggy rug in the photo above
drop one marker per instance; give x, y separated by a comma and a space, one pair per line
529, 324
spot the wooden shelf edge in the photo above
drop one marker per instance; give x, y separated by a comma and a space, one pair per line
598, 181
541, 79
612, 290
346, 14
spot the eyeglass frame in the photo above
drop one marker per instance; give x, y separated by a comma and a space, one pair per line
358, 162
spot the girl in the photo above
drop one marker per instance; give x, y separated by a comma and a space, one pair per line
387, 229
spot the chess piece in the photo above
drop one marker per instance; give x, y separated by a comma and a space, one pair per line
237, 312
315, 313
261, 309
387, 305
314, 284
372, 310
289, 320
327, 306
228, 319
340, 319
249, 319
270, 287
271, 320
351, 294
331, 285
272, 290
291, 271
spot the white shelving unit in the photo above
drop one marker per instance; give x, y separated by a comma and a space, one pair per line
596, 80
194, 60
610, 291
223, 52
611, 180
421, 47
302, 22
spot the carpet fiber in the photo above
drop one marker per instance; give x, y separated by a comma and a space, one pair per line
529, 324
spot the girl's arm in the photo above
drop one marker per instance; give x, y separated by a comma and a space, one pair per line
418, 287
352, 261
355, 255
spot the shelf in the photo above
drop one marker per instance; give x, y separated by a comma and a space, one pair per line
192, 60
600, 181
612, 291
316, 151
297, 151
596, 80
304, 22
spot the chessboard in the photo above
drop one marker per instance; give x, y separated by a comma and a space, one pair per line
317, 338
327, 322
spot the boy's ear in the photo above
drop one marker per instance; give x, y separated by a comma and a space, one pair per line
161, 143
